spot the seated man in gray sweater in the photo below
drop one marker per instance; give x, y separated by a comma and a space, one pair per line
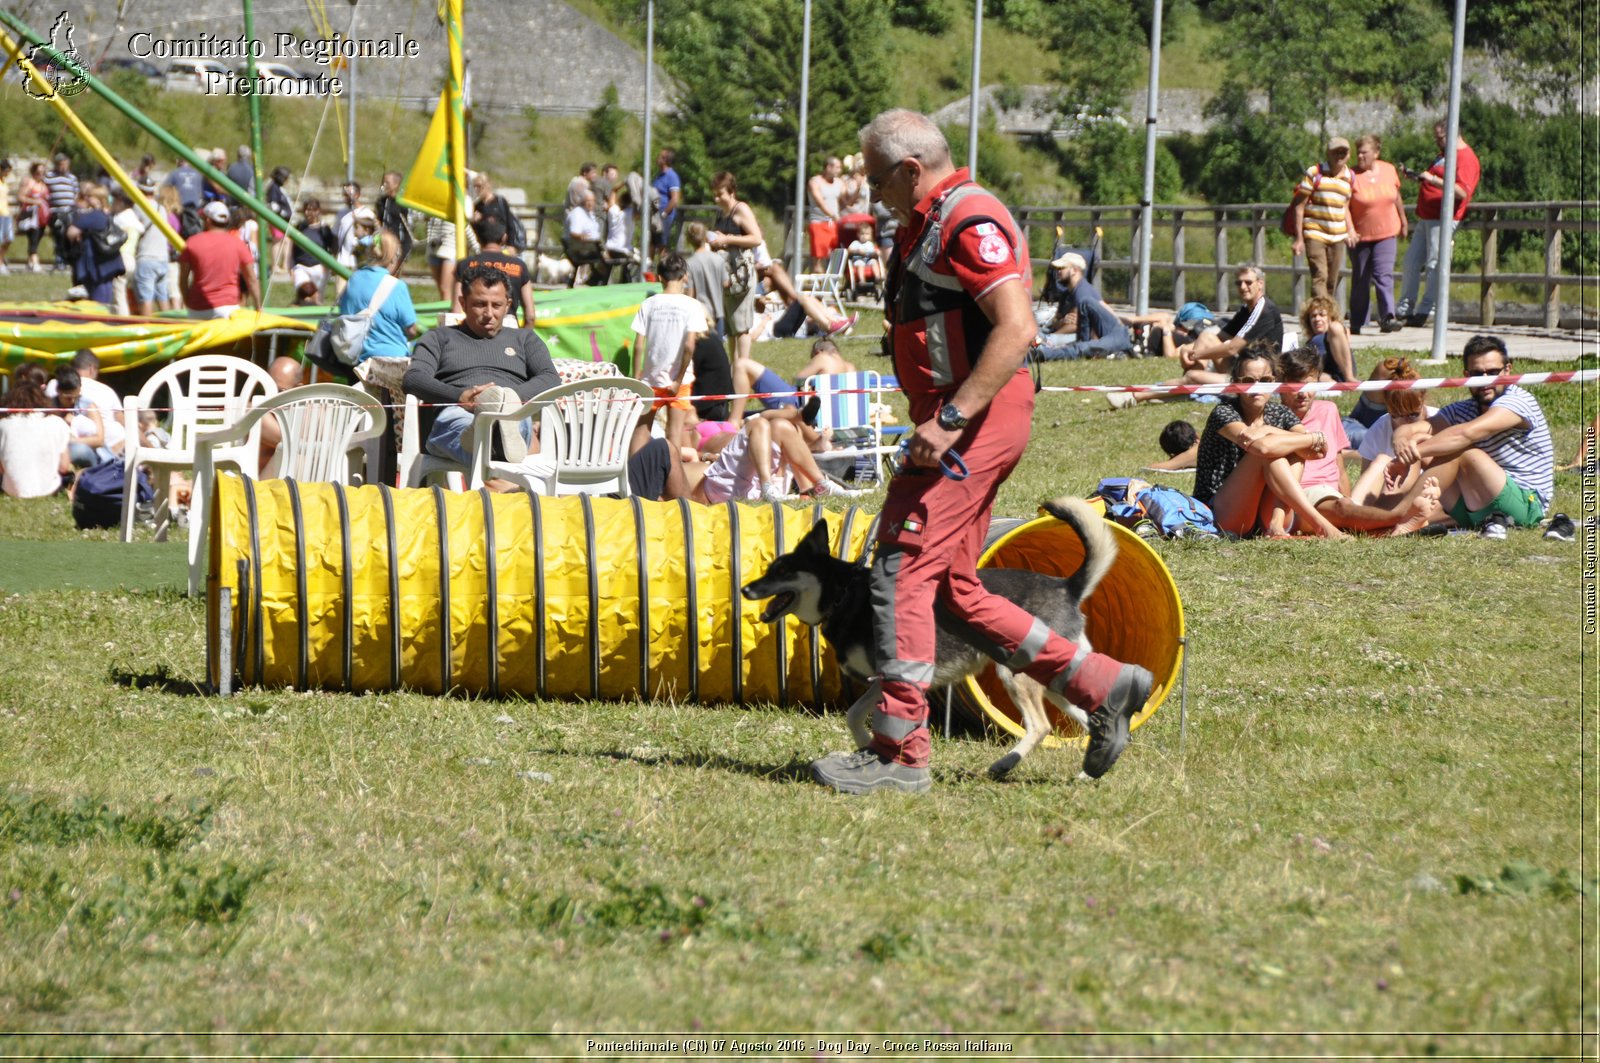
477, 366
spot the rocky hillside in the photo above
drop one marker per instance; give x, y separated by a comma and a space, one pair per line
521, 53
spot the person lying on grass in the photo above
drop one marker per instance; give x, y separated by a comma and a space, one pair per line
1180, 443
1324, 478
752, 463
1251, 455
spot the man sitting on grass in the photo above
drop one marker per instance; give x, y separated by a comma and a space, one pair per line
1491, 453
1099, 333
1209, 359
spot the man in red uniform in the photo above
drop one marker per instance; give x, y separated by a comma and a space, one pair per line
961, 325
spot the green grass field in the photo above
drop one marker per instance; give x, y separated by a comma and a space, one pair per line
1375, 838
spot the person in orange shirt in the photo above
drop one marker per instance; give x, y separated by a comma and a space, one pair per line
1379, 213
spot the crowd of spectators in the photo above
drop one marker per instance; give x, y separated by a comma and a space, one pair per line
1266, 466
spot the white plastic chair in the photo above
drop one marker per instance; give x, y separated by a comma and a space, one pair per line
829, 284
206, 392
584, 430
416, 466
324, 427
852, 401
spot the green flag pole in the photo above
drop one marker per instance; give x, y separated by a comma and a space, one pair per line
263, 252
260, 209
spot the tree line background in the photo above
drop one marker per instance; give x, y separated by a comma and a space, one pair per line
737, 65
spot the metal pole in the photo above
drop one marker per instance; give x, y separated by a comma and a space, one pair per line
647, 206
350, 141
263, 249
799, 226
457, 127
1447, 208
1147, 202
972, 102
173, 144
225, 641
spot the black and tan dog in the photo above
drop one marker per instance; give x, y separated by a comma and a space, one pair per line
821, 589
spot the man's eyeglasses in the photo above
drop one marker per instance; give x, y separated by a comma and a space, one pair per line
1488, 370
875, 180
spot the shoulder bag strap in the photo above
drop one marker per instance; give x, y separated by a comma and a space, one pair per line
381, 296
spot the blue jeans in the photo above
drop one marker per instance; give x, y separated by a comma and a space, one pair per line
769, 382
1421, 257
1059, 346
1354, 431
83, 455
444, 441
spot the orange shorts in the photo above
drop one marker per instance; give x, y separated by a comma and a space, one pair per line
675, 398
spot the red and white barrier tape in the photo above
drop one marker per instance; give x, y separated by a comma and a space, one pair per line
1317, 387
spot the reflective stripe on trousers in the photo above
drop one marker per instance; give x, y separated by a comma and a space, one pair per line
929, 540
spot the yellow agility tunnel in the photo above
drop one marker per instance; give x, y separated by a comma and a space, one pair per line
374, 588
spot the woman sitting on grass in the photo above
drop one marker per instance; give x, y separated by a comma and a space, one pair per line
1251, 455
33, 443
1324, 479
749, 465
1326, 334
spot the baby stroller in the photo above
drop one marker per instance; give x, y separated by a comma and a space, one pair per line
866, 278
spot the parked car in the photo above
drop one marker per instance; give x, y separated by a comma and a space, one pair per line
143, 67
189, 75
282, 76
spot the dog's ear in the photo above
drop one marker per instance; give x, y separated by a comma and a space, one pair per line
816, 540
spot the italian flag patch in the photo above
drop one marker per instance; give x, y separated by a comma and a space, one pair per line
911, 525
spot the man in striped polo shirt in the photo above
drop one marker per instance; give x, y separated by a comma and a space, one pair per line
1322, 222
62, 184
1491, 453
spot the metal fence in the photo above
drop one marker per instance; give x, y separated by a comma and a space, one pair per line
1202, 245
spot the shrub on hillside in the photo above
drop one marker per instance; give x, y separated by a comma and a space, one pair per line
606, 120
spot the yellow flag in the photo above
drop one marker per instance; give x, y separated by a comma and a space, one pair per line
427, 186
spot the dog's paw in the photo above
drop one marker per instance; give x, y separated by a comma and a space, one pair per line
1005, 765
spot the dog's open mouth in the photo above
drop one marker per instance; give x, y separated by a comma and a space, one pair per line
777, 607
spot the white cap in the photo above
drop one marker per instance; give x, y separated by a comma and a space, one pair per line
217, 211
1071, 258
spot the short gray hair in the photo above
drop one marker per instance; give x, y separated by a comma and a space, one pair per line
1252, 269
902, 134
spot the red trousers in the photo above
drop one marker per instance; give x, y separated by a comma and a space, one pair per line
929, 538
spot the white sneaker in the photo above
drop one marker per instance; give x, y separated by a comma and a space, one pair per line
771, 492
829, 489
1120, 400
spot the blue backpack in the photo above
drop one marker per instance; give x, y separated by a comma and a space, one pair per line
1176, 513
1130, 500
97, 496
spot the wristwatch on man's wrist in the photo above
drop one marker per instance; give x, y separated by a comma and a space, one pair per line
951, 418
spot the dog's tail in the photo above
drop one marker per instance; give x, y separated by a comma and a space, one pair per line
1099, 545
